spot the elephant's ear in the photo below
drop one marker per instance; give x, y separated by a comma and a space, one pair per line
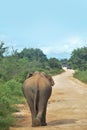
43, 74
48, 77
51, 80
29, 75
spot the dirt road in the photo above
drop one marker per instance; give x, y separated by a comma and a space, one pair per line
67, 107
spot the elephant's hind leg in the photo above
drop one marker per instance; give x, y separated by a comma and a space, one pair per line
31, 106
42, 111
43, 120
36, 122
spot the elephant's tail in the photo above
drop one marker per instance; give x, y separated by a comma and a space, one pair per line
36, 100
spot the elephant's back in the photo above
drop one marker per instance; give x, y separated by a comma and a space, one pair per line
44, 82
45, 88
29, 82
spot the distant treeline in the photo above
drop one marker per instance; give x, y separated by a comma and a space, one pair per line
17, 64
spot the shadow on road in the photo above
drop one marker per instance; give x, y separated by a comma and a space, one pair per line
62, 122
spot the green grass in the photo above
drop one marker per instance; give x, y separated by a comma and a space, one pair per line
81, 75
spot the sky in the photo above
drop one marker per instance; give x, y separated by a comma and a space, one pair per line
57, 27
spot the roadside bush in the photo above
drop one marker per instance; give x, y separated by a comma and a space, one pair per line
81, 75
10, 94
6, 118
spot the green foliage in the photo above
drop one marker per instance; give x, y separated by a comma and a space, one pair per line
64, 62
17, 68
5, 113
10, 94
55, 71
78, 58
6, 121
81, 75
33, 54
2, 49
78, 61
54, 63
14, 89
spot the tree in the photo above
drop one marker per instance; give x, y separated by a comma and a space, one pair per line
2, 49
33, 54
64, 62
54, 63
79, 58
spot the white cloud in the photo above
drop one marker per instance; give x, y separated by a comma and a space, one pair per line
75, 42
66, 46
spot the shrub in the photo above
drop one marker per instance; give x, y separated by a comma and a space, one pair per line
6, 118
81, 75
10, 94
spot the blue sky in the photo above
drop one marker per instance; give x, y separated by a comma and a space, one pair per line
55, 26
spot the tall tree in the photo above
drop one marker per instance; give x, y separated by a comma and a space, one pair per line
2, 49
54, 63
79, 58
33, 54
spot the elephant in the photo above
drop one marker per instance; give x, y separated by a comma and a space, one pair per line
37, 89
